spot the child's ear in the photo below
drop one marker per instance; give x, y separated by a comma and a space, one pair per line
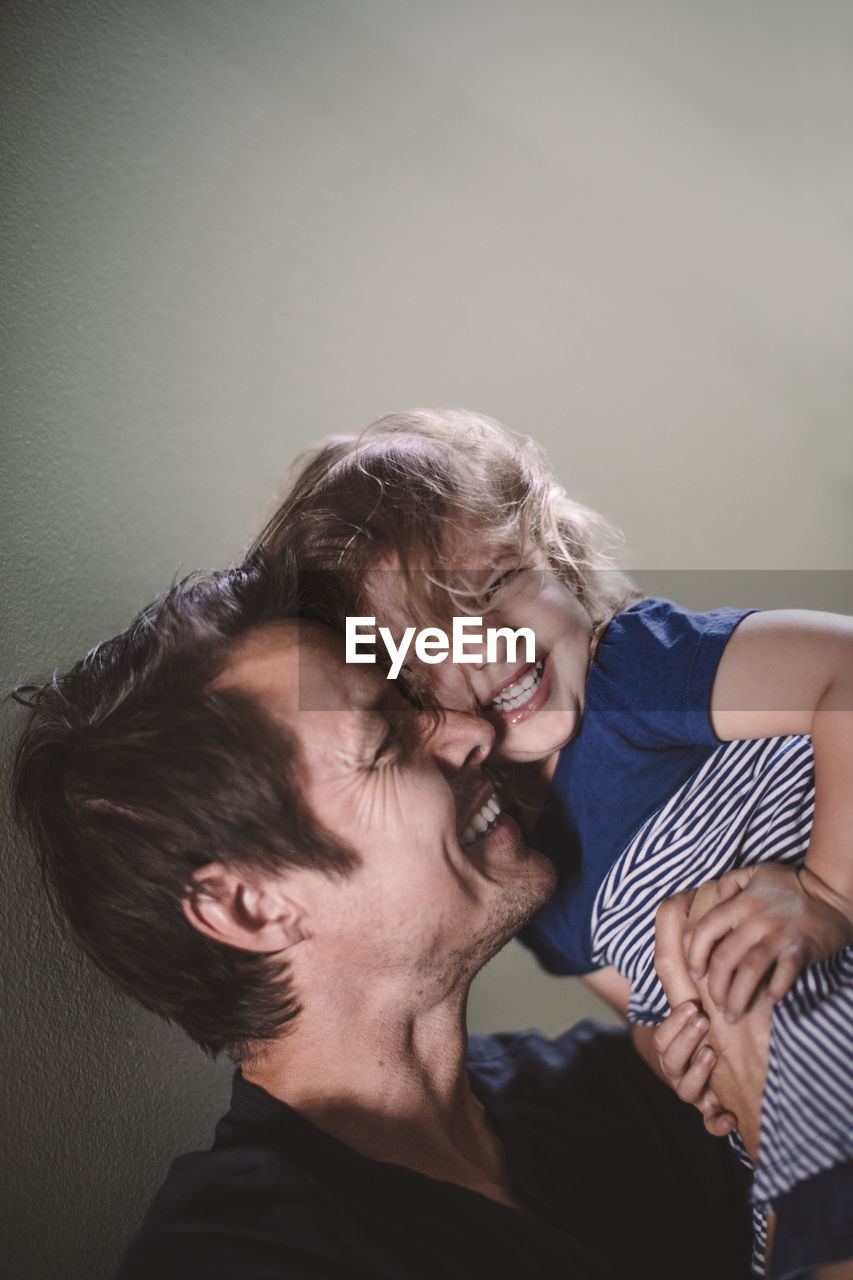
241, 908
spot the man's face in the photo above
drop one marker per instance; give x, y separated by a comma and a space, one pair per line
441, 878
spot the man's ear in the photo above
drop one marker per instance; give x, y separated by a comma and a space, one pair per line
241, 907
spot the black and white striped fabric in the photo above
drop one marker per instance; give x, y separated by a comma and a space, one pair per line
752, 801
807, 1111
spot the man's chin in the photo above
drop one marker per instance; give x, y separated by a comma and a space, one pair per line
521, 899
502, 852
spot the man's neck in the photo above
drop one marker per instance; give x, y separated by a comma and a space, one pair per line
395, 1089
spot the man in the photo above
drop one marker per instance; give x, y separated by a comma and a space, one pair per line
271, 848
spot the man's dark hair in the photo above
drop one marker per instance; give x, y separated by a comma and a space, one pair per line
131, 773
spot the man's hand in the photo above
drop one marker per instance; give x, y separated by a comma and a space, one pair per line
687, 1062
767, 922
685, 1058
737, 1077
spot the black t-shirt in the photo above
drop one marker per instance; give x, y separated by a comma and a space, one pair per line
617, 1179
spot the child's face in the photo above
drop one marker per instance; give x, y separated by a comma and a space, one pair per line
535, 707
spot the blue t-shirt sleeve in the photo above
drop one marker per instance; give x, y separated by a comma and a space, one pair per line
645, 731
655, 667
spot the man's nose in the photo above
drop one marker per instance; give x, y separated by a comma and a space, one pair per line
460, 740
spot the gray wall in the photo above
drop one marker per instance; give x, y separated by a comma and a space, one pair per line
232, 226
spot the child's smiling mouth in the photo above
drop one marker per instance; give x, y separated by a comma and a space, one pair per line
524, 695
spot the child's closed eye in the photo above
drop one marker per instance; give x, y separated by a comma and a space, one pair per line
503, 580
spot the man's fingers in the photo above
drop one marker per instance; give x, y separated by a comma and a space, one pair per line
693, 1083
788, 964
703, 899
694, 1087
702, 937
718, 1121
666, 1031
678, 1058
690, 1076
688, 1064
746, 947
711, 923
748, 976
678, 1037
670, 963
729, 885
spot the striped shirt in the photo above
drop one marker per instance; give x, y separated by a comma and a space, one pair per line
750, 802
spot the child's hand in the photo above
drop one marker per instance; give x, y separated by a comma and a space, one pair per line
768, 922
687, 1068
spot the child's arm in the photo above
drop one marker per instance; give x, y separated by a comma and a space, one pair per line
785, 673
611, 987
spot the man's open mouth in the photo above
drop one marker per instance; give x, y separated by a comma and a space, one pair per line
484, 820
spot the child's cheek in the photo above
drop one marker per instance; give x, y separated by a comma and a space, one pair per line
449, 686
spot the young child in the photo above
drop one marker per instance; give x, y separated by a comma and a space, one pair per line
648, 747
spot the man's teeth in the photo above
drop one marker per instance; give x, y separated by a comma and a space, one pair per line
484, 820
515, 695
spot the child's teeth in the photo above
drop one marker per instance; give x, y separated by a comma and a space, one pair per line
518, 693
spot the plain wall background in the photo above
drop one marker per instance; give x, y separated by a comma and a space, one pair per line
233, 226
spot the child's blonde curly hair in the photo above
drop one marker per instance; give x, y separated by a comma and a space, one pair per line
418, 489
